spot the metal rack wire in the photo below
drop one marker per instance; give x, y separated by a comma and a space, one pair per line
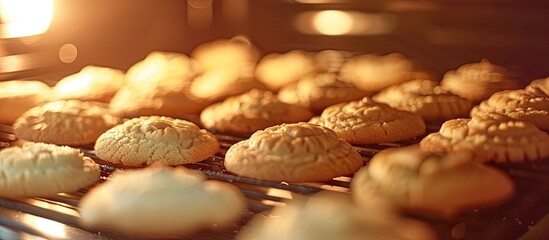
57, 217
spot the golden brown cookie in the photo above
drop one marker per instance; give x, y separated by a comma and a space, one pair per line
331, 60
327, 216
426, 98
319, 91
41, 170
430, 183
92, 83
160, 202
523, 105
491, 137
297, 152
368, 122
235, 53
18, 96
372, 73
539, 86
146, 140
159, 85
478, 81
251, 111
219, 83
277, 70
65, 122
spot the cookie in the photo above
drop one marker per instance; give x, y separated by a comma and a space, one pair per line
539, 86
478, 81
426, 98
331, 60
278, 69
146, 140
251, 111
430, 183
298, 152
372, 73
369, 122
159, 85
227, 81
319, 91
160, 202
158, 66
491, 137
65, 122
523, 105
18, 96
42, 170
327, 216
235, 53
92, 83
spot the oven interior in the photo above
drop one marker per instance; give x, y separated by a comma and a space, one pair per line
440, 35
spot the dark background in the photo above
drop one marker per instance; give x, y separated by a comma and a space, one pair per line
440, 34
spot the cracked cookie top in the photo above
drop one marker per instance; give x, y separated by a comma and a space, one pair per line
251, 111
523, 105
426, 98
490, 137
40, 169
478, 81
368, 122
420, 181
319, 91
65, 122
293, 152
145, 140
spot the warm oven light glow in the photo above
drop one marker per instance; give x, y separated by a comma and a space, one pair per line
333, 22
22, 18
338, 22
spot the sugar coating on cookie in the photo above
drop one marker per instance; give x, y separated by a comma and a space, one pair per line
523, 105
296, 152
430, 183
372, 73
491, 137
146, 140
319, 91
426, 98
92, 83
160, 202
65, 122
159, 85
41, 170
368, 122
278, 69
18, 96
327, 216
478, 81
251, 111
